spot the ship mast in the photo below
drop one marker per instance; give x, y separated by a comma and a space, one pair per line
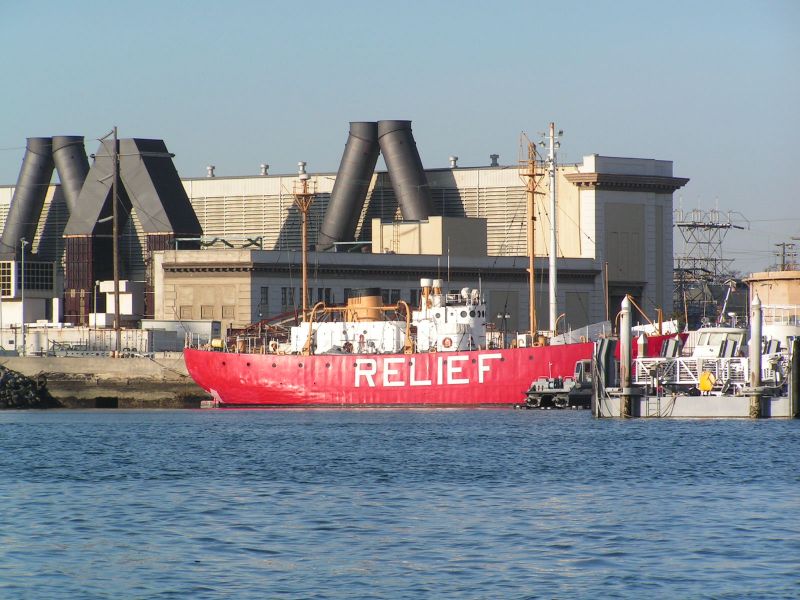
303, 198
532, 178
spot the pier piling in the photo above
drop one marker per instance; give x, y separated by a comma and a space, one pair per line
625, 352
754, 352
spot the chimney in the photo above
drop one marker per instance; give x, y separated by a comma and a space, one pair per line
494, 158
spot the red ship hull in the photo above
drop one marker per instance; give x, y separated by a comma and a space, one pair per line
483, 377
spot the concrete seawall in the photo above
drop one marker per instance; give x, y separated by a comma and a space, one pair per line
104, 382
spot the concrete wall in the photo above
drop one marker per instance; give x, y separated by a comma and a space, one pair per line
440, 236
699, 407
776, 288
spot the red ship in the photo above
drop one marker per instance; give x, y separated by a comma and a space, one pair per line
366, 354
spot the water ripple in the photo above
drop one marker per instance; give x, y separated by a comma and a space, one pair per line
395, 504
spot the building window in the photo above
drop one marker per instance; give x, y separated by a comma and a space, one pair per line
228, 311
390, 296
185, 313
414, 297
38, 275
347, 292
325, 295
5, 278
206, 312
287, 299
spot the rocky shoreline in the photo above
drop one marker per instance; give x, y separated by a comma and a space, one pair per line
20, 392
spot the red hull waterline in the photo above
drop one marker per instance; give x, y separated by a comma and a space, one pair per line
474, 378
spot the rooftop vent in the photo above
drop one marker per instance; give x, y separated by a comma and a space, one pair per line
210, 171
494, 158
264, 169
453, 162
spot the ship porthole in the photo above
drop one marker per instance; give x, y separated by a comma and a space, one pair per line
472, 313
274, 365
530, 358
463, 314
248, 364
299, 365
327, 365
223, 363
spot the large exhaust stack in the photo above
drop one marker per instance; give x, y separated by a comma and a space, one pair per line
405, 169
352, 183
29, 194
72, 165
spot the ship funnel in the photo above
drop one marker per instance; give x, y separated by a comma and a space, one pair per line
352, 183
363, 304
72, 166
29, 194
405, 169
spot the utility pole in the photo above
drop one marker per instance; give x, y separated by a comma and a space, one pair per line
786, 249
115, 240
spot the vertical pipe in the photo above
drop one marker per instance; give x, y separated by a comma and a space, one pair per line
23, 242
551, 161
625, 353
754, 352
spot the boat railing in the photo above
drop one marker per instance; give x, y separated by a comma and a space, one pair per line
726, 374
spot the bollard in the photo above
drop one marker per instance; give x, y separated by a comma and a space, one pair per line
794, 382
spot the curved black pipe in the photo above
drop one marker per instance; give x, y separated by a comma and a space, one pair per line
29, 194
351, 185
405, 169
72, 165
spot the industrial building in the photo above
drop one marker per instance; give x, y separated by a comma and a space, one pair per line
228, 248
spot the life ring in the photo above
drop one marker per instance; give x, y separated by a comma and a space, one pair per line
273, 346
447, 342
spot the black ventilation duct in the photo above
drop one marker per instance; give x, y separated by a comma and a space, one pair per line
29, 194
351, 185
94, 200
405, 169
155, 189
72, 166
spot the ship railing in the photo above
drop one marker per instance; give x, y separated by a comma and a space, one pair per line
728, 374
249, 344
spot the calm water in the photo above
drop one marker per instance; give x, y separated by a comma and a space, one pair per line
395, 504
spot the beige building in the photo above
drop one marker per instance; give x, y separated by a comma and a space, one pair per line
613, 215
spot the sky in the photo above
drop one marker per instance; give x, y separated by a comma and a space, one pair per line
713, 86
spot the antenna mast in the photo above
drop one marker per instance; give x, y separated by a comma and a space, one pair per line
303, 199
532, 177
551, 169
